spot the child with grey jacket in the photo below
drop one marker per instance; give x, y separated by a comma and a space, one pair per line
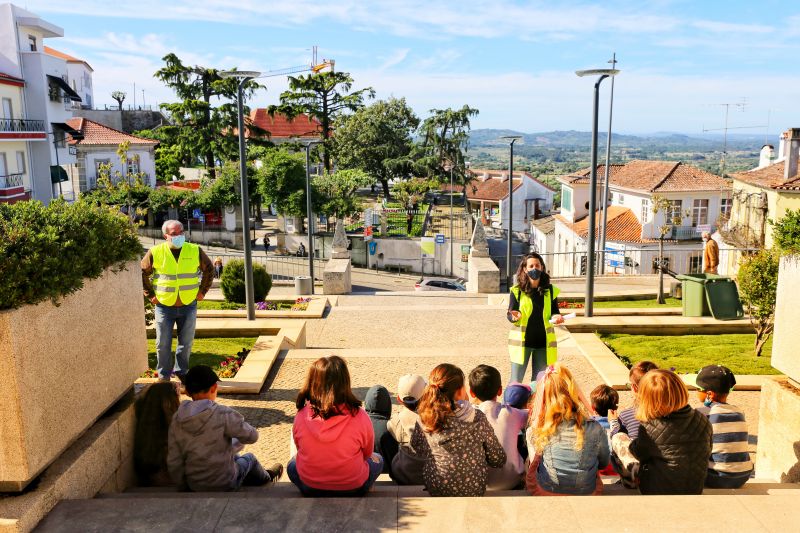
204, 438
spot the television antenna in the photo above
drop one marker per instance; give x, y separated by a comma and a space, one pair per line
739, 106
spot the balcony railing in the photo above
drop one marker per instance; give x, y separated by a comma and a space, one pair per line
17, 125
684, 233
11, 180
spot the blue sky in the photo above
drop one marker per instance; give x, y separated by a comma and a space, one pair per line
513, 60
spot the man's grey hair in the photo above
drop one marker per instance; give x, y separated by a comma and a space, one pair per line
167, 223
706, 234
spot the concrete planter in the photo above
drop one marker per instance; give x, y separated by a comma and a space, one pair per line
63, 366
785, 356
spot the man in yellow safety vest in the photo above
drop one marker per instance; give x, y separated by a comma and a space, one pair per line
181, 275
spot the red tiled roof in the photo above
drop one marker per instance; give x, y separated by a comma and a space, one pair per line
492, 173
66, 57
493, 189
95, 133
8, 79
280, 127
654, 176
623, 226
770, 177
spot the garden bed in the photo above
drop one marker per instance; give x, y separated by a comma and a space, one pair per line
689, 353
301, 307
224, 355
299, 304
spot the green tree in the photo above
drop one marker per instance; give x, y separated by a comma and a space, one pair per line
758, 288
671, 218
335, 193
786, 232
281, 181
200, 129
125, 190
445, 139
170, 155
378, 140
324, 96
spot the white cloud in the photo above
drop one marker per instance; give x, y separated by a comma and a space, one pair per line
397, 57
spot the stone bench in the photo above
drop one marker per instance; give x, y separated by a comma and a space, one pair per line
398, 267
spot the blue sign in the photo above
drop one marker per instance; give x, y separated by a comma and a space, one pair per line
196, 213
373, 247
439, 238
202, 218
615, 258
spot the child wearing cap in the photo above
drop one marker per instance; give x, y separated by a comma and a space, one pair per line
518, 395
204, 439
508, 422
729, 466
405, 464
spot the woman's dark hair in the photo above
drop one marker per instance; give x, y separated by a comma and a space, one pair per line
438, 399
327, 389
154, 408
524, 282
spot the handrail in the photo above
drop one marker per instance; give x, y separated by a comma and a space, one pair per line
19, 125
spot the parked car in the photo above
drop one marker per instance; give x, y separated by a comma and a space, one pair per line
439, 284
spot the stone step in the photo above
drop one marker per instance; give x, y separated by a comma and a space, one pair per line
445, 354
658, 325
773, 511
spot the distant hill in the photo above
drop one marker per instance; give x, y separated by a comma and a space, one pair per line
668, 141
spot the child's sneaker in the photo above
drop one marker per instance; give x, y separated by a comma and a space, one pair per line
275, 472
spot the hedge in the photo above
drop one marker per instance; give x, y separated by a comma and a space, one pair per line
232, 282
48, 251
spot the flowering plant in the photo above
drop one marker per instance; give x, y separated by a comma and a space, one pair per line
570, 305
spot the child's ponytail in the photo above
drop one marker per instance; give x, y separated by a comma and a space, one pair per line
438, 399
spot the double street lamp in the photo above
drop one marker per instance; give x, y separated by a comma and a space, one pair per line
244, 76
590, 260
309, 213
509, 266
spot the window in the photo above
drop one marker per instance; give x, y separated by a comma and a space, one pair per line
610, 198
700, 213
695, 264
621, 198
566, 198
3, 165
645, 211
725, 206
133, 165
32, 42
101, 162
21, 163
675, 214
60, 139
54, 92
8, 111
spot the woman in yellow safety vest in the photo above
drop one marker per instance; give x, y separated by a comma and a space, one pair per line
533, 309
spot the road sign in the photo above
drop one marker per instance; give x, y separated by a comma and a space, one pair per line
465, 253
428, 247
373, 247
440, 238
196, 213
202, 218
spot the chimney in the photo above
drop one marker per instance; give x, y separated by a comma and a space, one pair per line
792, 150
767, 153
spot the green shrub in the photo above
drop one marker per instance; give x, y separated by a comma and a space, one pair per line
232, 282
758, 287
48, 251
786, 232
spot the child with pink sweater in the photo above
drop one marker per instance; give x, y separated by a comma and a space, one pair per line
333, 435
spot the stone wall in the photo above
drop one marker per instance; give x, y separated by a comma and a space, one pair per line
336, 277
484, 276
63, 366
778, 452
785, 356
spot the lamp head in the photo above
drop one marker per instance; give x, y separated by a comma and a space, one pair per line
239, 74
511, 138
597, 72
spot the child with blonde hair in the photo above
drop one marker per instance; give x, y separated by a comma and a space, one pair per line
674, 440
455, 439
567, 447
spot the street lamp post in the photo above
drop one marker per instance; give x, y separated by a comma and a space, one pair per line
590, 260
449, 167
606, 185
244, 76
509, 265
309, 213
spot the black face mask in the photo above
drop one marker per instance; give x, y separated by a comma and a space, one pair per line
534, 274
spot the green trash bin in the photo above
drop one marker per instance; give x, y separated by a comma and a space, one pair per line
695, 302
723, 300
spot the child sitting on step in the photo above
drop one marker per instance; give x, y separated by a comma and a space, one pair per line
204, 439
568, 447
333, 434
456, 440
604, 399
484, 388
674, 441
405, 464
729, 466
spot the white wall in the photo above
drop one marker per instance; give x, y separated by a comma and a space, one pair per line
528, 190
80, 79
577, 207
146, 162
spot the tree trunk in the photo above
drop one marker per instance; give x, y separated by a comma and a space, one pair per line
761, 340
385, 185
661, 270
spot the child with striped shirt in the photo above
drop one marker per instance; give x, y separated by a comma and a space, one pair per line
729, 466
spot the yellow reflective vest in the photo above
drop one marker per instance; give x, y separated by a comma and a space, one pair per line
516, 336
173, 278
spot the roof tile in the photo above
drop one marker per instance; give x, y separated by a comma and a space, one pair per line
622, 225
280, 127
654, 176
95, 133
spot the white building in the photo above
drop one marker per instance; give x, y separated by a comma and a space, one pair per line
42, 109
79, 73
488, 195
98, 145
17, 132
698, 198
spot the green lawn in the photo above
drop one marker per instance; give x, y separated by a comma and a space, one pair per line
211, 351
671, 302
217, 305
689, 353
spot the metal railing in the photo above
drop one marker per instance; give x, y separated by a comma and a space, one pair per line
281, 268
12, 180
18, 125
684, 233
